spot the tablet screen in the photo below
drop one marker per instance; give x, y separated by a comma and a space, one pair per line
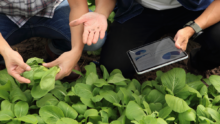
155, 54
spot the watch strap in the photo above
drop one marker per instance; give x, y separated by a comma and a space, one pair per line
195, 26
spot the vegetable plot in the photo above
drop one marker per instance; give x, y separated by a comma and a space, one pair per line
173, 97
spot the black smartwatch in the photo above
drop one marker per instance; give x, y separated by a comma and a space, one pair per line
195, 27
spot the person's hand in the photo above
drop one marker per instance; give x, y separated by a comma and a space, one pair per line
66, 63
15, 65
95, 25
182, 37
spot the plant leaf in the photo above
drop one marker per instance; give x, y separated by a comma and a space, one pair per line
110, 96
100, 83
80, 108
66, 121
83, 90
118, 77
17, 94
165, 112
59, 92
91, 112
155, 96
134, 111
87, 102
155, 106
115, 71
28, 119
49, 78
67, 110
105, 72
215, 79
147, 108
51, 114
6, 87
4, 94
174, 79
91, 78
21, 109
177, 104
78, 72
90, 68
6, 115
48, 99
214, 114
191, 78
6, 105
189, 115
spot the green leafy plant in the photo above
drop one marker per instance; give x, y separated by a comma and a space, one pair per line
174, 97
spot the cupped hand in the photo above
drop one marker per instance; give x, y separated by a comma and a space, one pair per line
95, 25
66, 63
182, 37
15, 65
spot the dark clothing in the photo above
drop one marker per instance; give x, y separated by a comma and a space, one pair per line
127, 9
149, 26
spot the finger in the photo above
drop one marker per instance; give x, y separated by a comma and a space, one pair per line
178, 43
20, 78
175, 38
51, 64
78, 21
102, 33
96, 38
184, 45
19, 70
61, 74
90, 38
85, 35
24, 66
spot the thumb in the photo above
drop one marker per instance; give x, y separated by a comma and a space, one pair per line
177, 42
50, 64
25, 66
78, 21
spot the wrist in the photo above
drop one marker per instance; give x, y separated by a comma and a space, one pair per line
189, 31
5, 49
77, 50
103, 14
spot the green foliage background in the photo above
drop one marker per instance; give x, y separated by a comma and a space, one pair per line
173, 97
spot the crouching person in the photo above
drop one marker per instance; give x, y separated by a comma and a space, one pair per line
20, 20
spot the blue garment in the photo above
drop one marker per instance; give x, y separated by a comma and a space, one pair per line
127, 9
56, 29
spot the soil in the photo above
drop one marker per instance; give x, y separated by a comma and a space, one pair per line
35, 47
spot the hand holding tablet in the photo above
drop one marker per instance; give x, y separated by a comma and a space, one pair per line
155, 55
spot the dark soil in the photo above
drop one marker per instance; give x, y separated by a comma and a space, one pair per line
35, 47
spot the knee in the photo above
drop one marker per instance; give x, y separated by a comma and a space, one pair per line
213, 36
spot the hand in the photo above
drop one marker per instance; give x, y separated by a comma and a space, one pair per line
95, 24
15, 65
182, 37
66, 63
